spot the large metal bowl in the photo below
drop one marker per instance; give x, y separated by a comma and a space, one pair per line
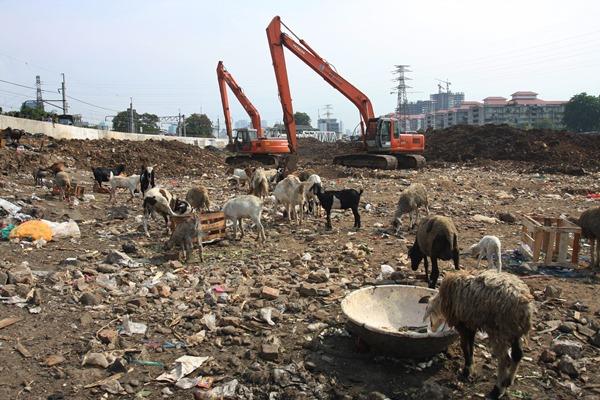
389, 318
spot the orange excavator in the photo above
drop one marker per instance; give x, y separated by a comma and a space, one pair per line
387, 147
250, 144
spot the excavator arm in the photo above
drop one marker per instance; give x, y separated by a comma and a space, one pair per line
224, 77
277, 40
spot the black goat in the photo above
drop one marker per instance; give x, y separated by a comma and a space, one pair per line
338, 200
146, 178
102, 174
436, 238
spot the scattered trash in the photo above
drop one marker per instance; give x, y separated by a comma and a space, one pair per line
184, 365
34, 229
131, 328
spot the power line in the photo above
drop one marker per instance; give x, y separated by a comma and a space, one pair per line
90, 104
24, 86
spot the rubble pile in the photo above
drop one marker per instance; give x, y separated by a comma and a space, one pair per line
546, 148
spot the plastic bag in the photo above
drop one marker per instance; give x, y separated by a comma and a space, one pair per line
61, 230
34, 229
5, 232
386, 272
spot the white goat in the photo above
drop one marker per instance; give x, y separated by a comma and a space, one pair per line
311, 198
490, 247
161, 201
245, 206
125, 182
290, 192
238, 176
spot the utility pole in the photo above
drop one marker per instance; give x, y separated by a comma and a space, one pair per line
183, 121
38, 91
400, 90
179, 124
131, 119
64, 96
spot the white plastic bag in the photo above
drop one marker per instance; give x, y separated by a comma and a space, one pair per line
386, 271
61, 230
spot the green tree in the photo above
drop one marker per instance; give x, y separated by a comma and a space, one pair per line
198, 125
582, 113
146, 123
302, 118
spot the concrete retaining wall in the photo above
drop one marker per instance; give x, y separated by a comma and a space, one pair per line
59, 131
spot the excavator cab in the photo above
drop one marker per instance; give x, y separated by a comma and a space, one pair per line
243, 139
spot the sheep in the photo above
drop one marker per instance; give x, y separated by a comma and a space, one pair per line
411, 199
496, 303
238, 176
126, 182
258, 183
102, 174
161, 201
290, 193
245, 206
589, 222
338, 200
146, 178
436, 238
198, 198
63, 181
490, 247
184, 235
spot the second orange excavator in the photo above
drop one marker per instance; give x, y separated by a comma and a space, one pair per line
387, 146
250, 144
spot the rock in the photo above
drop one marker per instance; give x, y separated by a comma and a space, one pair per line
106, 268
117, 257
163, 290
21, 274
434, 391
129, 248
174, 264
584, 330
89, 299
568, 366
95, 360
107, 336
569, 347
320, 276
120, 212
552, 292
547, 356
483, 218
312, 290
269, 351
70, 261
595, 340
8, 290
269, 293
507, 217
54, 360
166, 391
567, 327
3, 278
377, 396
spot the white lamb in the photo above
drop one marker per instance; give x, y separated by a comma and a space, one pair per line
490, 247
125, 182
245, 206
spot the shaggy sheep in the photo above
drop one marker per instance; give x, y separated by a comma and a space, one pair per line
198, 198
258, 183
490, 247
245, 206
496, 303
436, 238
589, 222
411, 199
63, 181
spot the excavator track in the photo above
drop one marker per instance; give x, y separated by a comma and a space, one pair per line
381, 161
287, 161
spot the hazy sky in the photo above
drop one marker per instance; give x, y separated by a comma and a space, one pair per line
164, 53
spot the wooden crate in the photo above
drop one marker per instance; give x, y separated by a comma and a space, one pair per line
553, 237
213, 225
76, 191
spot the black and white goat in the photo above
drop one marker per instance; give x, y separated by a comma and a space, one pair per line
102, 174
146, 178
161, 201
338, 200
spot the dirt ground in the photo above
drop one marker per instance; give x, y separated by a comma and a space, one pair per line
315, 357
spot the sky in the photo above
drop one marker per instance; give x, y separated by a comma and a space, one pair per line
164, 53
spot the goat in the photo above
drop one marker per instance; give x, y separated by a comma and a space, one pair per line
589, 222
146, 178
490, 247
102, 174
198, 198
411, 199
238, 176
126, 182
312, 200
14, 135
63, 181
258, 183
436, 238
338, 200
56, 167
39, 175
161, 201
290, 193
184, 235
245, 206
496, 303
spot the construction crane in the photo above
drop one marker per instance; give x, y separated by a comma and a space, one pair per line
250, 144
444, 82
387, 147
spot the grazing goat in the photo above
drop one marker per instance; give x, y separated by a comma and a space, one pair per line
39, 175
258, 183
198, 198
290, 193
161, 201
56, 167
125, 182
184, 235
14, 135
102, 174
238, 176
146, 179
436, 238
245, 206
338, 200
498, 304
63, 181
589, 222
411, 199
312, 200
490, 247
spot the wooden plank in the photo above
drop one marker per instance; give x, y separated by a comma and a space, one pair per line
550, 247
576, 248
563, 247
9, 321
537, 245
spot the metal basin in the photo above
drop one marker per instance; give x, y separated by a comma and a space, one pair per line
389, 318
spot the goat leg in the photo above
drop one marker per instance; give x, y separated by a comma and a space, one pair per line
435, 272
467, 341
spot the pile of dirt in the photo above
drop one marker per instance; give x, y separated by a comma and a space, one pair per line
172, 158
317, 151
548, 148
